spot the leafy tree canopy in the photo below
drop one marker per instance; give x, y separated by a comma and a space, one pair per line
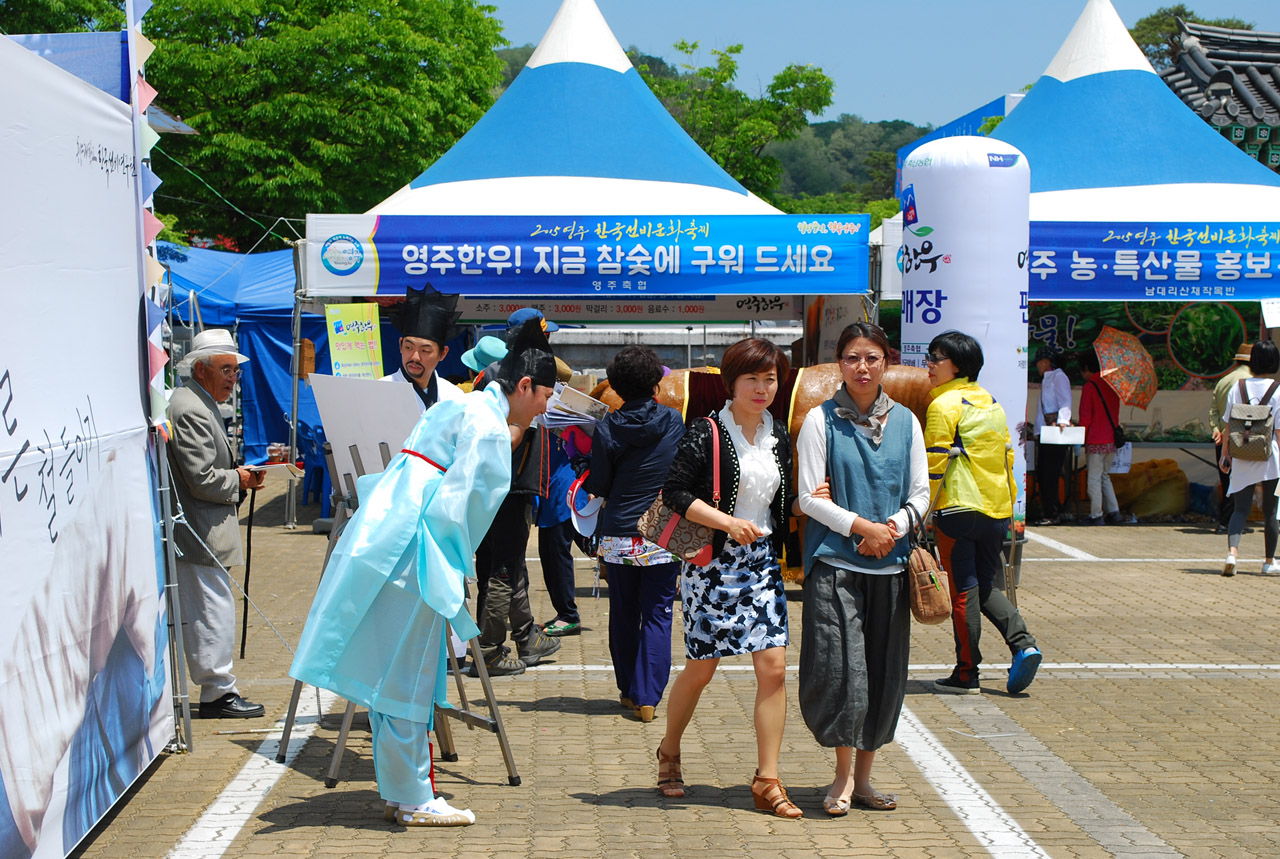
60, 16
301, 105
731, 126
1157, 34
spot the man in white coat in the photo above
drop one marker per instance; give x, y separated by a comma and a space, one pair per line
1054, 410
426, 322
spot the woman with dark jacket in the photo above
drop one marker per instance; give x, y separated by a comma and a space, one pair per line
736, 604
630, 454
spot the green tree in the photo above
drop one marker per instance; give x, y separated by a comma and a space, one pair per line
731, 126
311, 105
1157, 34
60, 16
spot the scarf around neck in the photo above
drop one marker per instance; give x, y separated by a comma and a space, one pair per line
846, 408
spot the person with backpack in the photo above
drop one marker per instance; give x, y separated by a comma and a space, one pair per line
1100, 417
971, 485
1251, 453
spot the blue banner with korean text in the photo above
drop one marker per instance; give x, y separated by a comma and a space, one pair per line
589, 256
1104, 261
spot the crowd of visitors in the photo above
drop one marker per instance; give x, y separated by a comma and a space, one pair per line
867, 474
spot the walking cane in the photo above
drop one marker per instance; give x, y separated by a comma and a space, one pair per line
248, 562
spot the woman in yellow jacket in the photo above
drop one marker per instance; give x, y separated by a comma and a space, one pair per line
966, 438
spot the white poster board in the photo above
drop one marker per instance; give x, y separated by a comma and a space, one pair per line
366, 414
84, 687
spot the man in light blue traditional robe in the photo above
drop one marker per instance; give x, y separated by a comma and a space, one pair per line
376, 631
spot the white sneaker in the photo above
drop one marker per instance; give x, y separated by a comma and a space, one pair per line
437, 812
1270, 569
1229, 566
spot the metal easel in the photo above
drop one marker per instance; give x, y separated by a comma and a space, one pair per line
344, 506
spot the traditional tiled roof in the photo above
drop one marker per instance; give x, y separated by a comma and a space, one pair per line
1232, 79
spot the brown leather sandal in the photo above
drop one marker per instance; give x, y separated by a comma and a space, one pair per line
876, 801
770, 795
670, 780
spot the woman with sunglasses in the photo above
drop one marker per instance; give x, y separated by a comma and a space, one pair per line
855, 642
970, 480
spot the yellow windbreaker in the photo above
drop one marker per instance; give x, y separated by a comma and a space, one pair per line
964, 417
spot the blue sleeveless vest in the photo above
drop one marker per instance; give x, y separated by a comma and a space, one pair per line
874, 481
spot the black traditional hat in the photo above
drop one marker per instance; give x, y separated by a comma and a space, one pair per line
428, 314
528, 354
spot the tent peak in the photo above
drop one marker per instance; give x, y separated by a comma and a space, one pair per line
1099, 42
580, 34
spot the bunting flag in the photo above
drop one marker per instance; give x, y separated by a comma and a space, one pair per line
149, 139
143, 48
151, 226
157, 358
140, 8
146, 94
150, 182
155, 271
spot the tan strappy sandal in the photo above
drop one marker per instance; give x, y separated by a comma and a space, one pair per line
770, 795
670, 780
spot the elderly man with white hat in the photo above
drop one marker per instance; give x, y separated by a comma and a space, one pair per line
208, 486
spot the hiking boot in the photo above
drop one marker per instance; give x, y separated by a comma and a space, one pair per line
500, 664
539, 646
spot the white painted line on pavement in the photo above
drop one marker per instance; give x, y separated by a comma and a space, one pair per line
213, 833
1114, 829
1216, 560
990, 824
1057, 546
993, 666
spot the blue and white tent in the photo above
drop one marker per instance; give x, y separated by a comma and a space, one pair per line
1134, 196
577, 133
1108, 141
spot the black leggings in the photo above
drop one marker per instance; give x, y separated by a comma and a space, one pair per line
1242, 503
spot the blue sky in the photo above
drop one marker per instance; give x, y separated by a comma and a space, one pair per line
928, 62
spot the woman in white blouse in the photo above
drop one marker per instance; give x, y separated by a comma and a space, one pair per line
855, 642
736, 604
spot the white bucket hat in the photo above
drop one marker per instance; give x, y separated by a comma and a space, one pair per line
210, 342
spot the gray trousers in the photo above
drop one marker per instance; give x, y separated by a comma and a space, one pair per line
855, 645
208, 628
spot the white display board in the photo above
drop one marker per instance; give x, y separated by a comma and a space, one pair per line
84, 687
367, 414
965, 232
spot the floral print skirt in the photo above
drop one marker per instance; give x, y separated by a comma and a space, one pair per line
736, 604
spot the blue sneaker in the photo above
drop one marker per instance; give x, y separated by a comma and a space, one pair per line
1023, 670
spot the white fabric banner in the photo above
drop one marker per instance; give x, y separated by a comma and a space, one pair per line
83, 676
965, 231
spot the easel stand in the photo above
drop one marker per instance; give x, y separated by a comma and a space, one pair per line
343, 506
177, 654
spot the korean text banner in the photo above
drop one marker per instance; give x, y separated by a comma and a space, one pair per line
587, 257
1154, 261
84, 683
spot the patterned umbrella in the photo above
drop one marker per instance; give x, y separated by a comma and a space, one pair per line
1127, 366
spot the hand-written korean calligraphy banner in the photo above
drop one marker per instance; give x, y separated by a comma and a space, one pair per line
588, 256
1153, 261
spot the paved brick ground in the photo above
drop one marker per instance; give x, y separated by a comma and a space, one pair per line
1150, 731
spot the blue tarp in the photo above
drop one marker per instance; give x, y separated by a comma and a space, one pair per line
253, 293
